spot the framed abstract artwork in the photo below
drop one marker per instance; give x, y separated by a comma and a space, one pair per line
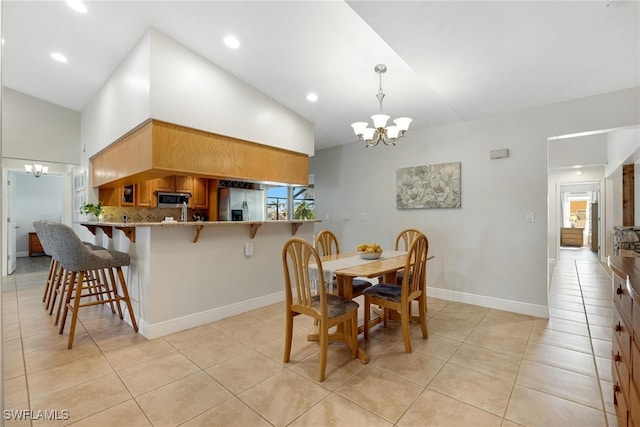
430, 186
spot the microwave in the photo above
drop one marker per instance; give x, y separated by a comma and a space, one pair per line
172, 200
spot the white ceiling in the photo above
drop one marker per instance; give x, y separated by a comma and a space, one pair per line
447, 61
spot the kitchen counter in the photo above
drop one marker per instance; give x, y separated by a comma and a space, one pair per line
128, 228
176, 284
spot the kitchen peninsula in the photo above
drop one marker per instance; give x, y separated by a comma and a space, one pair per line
186, 274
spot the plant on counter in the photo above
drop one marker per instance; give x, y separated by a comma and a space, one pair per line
92, 209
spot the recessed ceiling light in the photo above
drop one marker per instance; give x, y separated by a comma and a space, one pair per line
232, 42
312, 97
579, 173
77, 5
59, 57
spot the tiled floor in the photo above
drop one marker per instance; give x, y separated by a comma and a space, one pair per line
479, 367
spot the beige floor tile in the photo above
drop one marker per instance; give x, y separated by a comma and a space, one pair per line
458, 312
504, 341
366, 388
579, 328
604, 368
436, 345
340, 366
565, 305
85, 399
338, 411
300, 348
12, 359
498, 364
50, 380
193, 336
533, 408
556, 297
416, 367
561, 358
559, 382
601, 332
151, 374
558, 313
209, 353
58, 354
599, 310
561, 339
124, 414
15, 391
596, 319
434, 409
180, 400
598, 302
601, 348
244, 371
481, 390
119, 336
454, 330
138, 352
279, 399
231, 412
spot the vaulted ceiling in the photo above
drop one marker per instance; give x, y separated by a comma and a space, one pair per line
447, 61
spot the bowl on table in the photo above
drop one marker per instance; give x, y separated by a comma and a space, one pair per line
370, 255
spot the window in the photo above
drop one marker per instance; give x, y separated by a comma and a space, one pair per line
285, 203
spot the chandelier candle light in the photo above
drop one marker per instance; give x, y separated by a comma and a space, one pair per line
380, 131
36, 169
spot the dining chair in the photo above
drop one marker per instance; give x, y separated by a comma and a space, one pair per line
390, 296
306, 294
327, 244
403, 242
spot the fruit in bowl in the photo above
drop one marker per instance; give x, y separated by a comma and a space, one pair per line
369, 250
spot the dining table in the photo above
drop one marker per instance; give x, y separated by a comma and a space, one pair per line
347, 266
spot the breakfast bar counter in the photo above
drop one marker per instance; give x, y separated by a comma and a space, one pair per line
187, 274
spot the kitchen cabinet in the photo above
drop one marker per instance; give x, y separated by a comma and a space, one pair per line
197, 187
143, 194
146, 191
625, 345
128, 195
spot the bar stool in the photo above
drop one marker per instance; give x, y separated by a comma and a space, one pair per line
54, 266
86, 270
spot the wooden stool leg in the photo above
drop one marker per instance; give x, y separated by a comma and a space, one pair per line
114, 289
125, 293
76, 307
67, 300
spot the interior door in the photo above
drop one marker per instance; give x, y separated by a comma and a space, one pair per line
11, 223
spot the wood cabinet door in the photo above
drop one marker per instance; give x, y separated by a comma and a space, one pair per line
183, 184
199, 193
166, 184
146, 194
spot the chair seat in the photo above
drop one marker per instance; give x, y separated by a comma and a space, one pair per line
384, 291
336, 305
360, 285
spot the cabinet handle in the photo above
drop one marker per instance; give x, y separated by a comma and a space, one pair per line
618, 327
619, 291
616, 388
617, 357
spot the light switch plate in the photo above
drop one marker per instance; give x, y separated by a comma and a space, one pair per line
248, 249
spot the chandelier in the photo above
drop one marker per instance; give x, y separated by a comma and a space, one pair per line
36, 169
380, 132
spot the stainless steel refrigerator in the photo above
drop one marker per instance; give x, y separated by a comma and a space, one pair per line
239, 204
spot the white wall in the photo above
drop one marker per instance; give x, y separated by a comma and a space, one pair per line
38, 130
189, 90
485, 252
162, 79
36, 199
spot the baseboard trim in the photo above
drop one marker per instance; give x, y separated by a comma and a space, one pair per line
490, 302
160, 329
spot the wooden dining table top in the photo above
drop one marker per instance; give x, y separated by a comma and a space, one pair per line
372, 268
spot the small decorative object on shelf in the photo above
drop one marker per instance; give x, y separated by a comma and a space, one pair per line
92, 209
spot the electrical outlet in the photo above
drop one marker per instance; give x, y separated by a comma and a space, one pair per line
531, 216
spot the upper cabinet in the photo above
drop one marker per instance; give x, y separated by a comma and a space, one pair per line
144, 194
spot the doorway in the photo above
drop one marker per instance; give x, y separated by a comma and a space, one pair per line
579, 217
